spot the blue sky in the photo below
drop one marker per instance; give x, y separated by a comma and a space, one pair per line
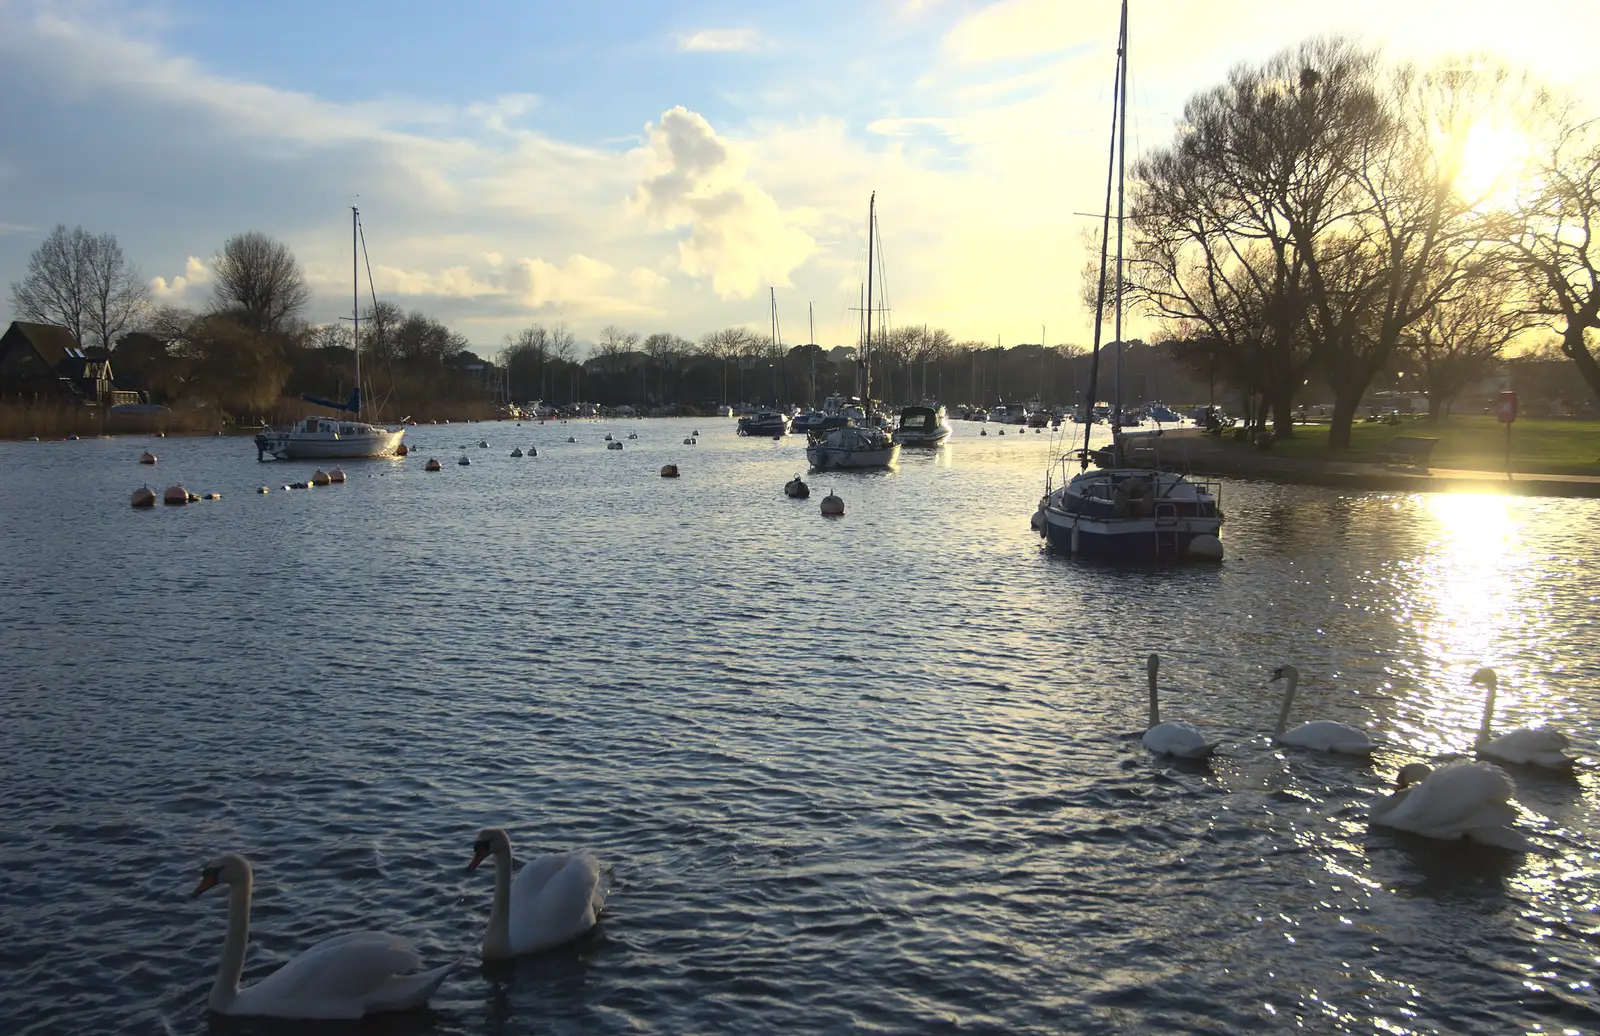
656, 166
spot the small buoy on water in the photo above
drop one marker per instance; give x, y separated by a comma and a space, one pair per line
633, 435
175, 495
608, 437
983, 431
464, 462
696, 432
147, 457
832, 506
796, 488
33, 438
219, 431
483, 444
613, 446
669, 471
1001, 432
402, 450
336, 475
263, 491
517, 452
212, 496
432, 465
320, 478
1205, 548
74, 438
161, 435
145, 497
688, 442
571, 439
532, 452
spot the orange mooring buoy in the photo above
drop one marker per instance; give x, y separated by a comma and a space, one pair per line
145, 497
175, 495
669, 471
433, 465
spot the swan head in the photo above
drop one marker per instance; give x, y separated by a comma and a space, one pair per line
1285, 672
1486, 677
490, 840
1411, 773
228, 869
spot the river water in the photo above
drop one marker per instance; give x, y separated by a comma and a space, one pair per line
875, 773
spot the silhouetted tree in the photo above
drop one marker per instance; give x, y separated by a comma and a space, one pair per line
257, 279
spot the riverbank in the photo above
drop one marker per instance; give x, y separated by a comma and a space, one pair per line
1192, 450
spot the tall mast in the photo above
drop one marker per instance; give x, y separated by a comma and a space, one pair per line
772, 294
872, 217
1122, 158
1105, 240
811, 318
355, 300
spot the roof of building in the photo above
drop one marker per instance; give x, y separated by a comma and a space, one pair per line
53, 343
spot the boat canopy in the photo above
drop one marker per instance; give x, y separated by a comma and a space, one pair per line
919, 418
354, 406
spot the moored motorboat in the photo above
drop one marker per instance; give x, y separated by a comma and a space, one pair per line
764, 423
922, 426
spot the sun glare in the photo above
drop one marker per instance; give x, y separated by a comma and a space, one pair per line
1491, 157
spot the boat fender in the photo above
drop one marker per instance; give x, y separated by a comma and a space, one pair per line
263, 491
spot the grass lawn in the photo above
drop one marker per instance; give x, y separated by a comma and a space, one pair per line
1538, 445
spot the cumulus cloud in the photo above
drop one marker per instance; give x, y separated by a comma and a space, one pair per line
737, 234
722, 40
175, 291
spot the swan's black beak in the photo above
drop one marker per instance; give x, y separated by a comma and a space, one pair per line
208, 878
1277, 674
480, 852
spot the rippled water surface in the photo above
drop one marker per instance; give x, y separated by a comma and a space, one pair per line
872, 773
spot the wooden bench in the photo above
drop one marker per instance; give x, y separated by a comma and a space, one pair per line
1408, 449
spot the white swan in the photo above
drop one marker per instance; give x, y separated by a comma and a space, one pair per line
555, 899
1183, 740
1462, 800
347, 976
1529, 746
1324, 735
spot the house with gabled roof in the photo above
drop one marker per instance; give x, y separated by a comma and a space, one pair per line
41, 363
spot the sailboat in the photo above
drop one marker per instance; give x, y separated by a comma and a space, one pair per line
841, 443
769, 422
341, 438
1115, 511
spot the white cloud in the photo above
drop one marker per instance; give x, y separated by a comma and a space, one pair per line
722, 41
176, 291
738, 236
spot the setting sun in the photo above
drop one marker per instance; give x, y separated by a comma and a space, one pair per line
1491, 157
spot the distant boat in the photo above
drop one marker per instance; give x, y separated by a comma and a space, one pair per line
848, 445
342, 438
764, 423
922, 426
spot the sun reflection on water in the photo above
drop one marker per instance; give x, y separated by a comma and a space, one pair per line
1469, 599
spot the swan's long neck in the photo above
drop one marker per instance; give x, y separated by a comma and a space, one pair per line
1291, 681
226, 987
1155, 705
1485, 732
497, 939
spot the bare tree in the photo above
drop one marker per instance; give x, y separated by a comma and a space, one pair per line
258, 280
1463, 337
1554, 235
82, 282
563, 346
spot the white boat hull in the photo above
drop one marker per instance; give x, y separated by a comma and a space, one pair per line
828, 458
324, 446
